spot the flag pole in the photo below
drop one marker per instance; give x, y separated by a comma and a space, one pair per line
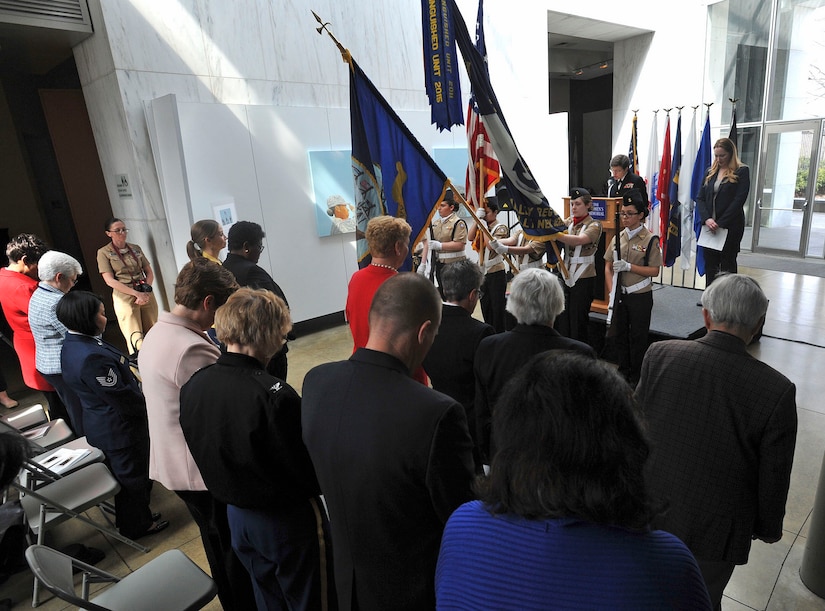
345, 54
479, 224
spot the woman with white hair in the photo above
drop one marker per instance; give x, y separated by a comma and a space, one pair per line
58, 273
536, 299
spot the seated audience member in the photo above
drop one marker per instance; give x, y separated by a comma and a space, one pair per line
393, 456
58, 274
17, 283
246, 243
536, 299
564, 513
449, 363
243, 427
175, 348
114, 411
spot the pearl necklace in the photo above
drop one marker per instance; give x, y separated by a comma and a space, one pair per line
384, 266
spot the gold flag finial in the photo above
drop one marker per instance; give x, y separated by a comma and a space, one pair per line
345, 54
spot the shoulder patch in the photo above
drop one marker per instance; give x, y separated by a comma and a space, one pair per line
109, 380
275, 387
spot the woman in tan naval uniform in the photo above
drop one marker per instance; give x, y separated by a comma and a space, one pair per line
640, 263
581, 243
448, 235
126, 270
494, 289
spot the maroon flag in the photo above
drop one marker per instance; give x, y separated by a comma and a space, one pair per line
663, 188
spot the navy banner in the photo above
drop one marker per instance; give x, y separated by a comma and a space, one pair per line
393, 173
441, 64
537, 217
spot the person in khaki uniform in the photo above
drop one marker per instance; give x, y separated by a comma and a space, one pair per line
126, 270
640, 263
581, 243
448, 235
494, 289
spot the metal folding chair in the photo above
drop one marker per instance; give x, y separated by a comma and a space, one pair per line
59, 500
170, 582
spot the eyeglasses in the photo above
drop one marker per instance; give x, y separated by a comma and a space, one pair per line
624, 215
122, 230
260, 247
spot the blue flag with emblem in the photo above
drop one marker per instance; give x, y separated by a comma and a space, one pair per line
700, 170
537, 217
441, 64
393, 174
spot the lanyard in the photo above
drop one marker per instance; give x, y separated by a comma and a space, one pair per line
125, 265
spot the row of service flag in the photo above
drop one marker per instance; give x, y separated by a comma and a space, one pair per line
394, 175
674, 181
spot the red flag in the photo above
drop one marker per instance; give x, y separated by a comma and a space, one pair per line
483, 170
663, 188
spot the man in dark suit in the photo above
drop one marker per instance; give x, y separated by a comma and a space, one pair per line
536, 299
393, 457
449, 363
622, 179
722, 427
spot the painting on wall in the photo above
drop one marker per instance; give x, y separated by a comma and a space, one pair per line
332, 185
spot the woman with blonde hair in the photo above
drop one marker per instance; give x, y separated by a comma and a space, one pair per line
721, 204
258, 464
207, 240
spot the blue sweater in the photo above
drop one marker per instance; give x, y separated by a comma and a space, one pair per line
508, 562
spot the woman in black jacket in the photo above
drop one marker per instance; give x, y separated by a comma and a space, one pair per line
721, 204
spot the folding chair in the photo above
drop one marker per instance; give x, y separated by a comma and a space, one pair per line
68, 497
35, 426
170, 582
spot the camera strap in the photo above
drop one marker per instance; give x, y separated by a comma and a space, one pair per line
141, 273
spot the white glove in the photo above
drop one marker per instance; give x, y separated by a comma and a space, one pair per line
423, 268
499, 247
481, 213
435, 245
621, 266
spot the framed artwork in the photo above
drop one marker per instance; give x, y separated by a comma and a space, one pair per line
331, 173
225, 214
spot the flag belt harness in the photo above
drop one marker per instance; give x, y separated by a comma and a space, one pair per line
582, 260
493, 261
637, 287
445, 256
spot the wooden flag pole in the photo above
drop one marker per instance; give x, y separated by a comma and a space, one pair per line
479, 224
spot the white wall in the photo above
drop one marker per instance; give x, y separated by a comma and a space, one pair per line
255, 55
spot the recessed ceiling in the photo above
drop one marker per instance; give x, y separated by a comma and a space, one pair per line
578, 47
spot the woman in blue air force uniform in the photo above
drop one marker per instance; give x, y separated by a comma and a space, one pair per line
114, 410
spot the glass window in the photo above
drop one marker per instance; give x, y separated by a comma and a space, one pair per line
799, 82
738, 56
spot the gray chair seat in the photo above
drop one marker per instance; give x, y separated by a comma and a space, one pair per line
170, 582
78, 491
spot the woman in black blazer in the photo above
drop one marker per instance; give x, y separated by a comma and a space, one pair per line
721, 203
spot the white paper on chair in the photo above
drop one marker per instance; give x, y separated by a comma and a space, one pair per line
38, 433
715, 240
62, 459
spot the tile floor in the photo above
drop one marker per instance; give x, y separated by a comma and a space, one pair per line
794, 343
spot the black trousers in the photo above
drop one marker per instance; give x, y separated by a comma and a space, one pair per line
632, 320
717, 574
718, 261
574, 322
234, 585
494, 300
70, 401
130, 466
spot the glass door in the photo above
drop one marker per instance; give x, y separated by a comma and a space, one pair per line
786, 188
